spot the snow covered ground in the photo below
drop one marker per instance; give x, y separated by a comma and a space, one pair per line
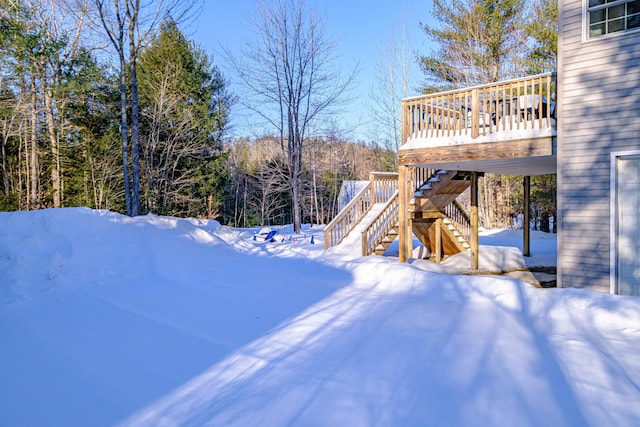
154, 321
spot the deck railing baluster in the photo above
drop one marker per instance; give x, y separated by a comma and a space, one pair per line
518, 104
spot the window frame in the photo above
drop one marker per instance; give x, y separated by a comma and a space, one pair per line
586, 37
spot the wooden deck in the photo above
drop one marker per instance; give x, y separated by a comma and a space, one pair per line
507, 127
535, 156
451, 139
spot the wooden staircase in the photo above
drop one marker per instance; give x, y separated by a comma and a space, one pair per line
438, 220
381, 190
387, 240
435, 214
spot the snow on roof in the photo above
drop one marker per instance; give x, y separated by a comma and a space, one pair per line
348, 191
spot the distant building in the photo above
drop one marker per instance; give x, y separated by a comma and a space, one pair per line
348, 191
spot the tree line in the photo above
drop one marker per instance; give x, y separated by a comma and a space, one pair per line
145, 131
73, 128
107, 104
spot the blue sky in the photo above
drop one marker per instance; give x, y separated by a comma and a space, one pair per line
361, 29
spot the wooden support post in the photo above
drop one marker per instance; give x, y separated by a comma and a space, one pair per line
526, 248
372, 191
405, 124
474, 221
403, 253
409, 222
438, 240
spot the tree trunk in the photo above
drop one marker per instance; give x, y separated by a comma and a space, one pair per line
296, 172
295, 205
135, 167
124, 137
33, 199
315, 197
5, 172
23, 148
55, 154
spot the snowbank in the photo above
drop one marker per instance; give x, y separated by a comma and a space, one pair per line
155, 321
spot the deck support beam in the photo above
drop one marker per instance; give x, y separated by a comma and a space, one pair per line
474, 221
403, 213
438, 245
526, 235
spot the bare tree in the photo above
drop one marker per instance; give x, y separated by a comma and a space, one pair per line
53, 42
393, 80
268, 187
292, 79
129, 24
9, 127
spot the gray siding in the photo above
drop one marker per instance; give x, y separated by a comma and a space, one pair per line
599, 113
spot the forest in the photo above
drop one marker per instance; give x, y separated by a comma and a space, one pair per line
108, 104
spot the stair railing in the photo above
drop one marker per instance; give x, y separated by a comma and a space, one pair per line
348, 217
375, 233
459, 219
421, 176
384, 185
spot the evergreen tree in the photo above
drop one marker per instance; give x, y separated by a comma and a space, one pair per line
479, 41
47, 80
184, 112
542, 29
93, 166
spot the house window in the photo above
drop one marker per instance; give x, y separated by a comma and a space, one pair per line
612, 16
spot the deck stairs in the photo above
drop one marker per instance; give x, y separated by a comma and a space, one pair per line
452, 230
432, 206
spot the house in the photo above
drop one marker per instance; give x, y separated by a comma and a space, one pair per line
582, 123
599, 145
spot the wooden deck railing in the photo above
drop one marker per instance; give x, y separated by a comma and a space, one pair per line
384, 185
381, 187
375, 232
348, 217
459, 218
518, 104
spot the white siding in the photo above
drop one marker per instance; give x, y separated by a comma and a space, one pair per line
599, 110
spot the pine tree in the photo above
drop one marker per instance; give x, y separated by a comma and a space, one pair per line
542, 29
184, 112
479, 41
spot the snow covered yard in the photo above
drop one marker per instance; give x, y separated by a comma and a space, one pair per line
109, 320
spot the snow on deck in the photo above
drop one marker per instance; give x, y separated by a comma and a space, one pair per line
422, 139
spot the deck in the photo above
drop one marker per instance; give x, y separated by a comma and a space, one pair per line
507, 127
450, 139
